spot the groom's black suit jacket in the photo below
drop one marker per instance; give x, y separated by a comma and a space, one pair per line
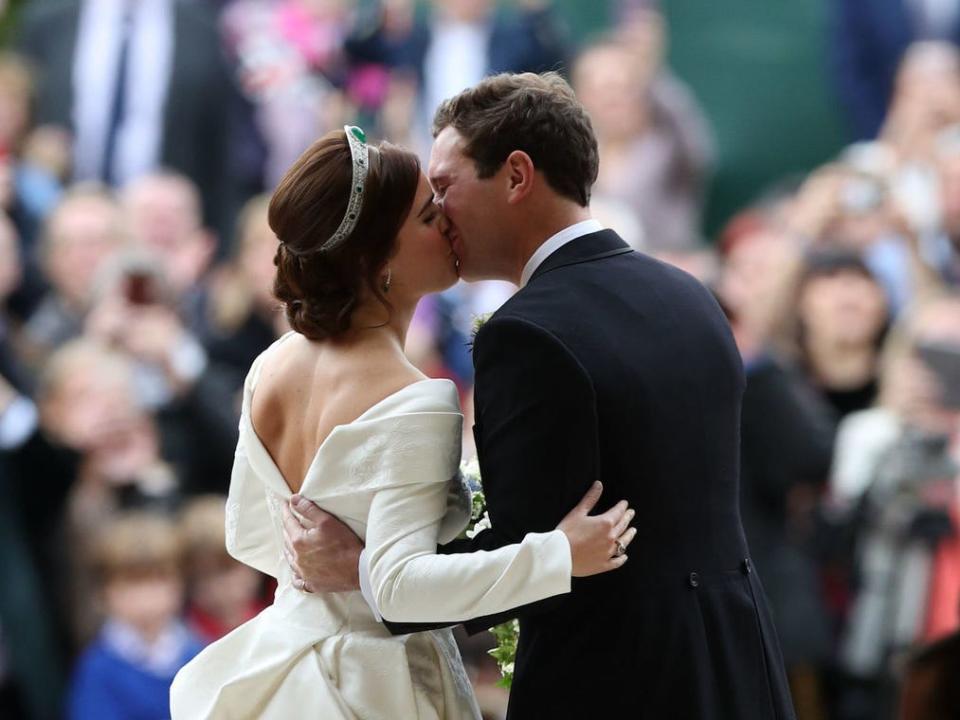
612, 365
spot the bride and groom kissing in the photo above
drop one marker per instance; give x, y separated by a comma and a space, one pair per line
605, 366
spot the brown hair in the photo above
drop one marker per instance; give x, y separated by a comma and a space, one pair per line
202, 526
319, 288
137, 543
538, 114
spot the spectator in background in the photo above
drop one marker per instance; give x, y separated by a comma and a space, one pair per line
868, 42
895, 476
81, 234
193, 398
842, 318
458, 44
127, 670
242, 317
31, 660
139, 86
164, 218
222, 593
33, 166
861, 206
11, 276
926, 100
942, 248
88, 403
34, 161
786, 443
655, 146
760, 266
291, 66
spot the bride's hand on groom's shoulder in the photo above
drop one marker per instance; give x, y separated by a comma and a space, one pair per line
598, 543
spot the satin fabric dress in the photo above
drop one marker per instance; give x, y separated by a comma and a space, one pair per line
392, 476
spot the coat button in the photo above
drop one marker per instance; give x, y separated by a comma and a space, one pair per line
693, 580
747, 567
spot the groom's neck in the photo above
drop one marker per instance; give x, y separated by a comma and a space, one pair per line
543, 225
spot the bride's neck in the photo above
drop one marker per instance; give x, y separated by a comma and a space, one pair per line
373, 322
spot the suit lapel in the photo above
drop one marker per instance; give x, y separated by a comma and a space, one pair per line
595, 246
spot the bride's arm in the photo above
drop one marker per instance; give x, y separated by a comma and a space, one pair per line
411, 583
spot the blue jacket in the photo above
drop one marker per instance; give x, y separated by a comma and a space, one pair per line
106, 686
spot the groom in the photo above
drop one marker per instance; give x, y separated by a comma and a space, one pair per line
605, 365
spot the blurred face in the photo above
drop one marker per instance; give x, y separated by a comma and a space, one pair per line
611, 91
91, 407
756, 278
476, 208
164, 218
83, 234
223, 587
843, 307
423, 261
148, 603
929, 82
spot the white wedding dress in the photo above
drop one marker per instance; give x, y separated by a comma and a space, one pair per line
392, 476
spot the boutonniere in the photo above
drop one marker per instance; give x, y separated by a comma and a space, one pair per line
478, 322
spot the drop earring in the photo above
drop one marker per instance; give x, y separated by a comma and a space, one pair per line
387, 280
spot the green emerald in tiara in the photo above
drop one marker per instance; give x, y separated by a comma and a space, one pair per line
358, 134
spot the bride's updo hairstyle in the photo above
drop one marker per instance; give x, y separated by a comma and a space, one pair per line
320, 288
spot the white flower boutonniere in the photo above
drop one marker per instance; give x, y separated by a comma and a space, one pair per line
508, 633
478, 322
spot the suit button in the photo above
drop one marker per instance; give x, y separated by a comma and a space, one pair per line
746, 567
693, 580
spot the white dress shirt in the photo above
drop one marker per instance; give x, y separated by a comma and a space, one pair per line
150, 63
554, 243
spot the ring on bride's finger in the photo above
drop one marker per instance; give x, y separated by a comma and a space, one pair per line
621, 548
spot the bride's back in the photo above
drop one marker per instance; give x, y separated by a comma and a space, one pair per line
306, 389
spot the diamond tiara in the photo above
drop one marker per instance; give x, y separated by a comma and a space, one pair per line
360, 153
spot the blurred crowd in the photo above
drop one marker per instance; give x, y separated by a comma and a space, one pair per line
139, 142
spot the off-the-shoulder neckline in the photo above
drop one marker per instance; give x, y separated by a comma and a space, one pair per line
262, 448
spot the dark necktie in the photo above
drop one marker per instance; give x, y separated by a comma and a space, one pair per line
118, 106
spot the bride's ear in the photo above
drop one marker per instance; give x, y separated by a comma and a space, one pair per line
520, 174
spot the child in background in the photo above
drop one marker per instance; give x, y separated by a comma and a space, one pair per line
222, 592
127, 670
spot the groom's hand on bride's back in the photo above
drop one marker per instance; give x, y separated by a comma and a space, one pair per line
323, 553
598, 543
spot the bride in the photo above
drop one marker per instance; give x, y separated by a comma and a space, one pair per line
334, 411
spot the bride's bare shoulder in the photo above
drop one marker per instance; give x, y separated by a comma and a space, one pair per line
316, 379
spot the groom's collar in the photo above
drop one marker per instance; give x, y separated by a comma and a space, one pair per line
554, 243
592, 246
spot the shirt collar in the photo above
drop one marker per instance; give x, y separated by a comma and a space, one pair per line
568, 234
164, 656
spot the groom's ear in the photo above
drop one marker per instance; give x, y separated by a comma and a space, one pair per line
520, 176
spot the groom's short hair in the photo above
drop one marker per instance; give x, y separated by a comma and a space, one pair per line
538, 114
